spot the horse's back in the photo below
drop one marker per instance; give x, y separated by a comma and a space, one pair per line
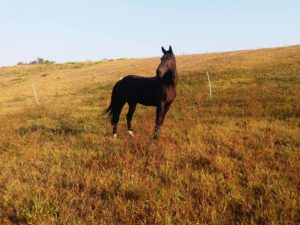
144, 90
136, 81
138, 78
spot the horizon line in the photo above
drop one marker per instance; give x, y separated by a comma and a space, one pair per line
150, 57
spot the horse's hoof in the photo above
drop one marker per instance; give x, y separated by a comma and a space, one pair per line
115, 136
156, 137
130, 133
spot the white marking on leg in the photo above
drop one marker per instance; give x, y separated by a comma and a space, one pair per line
130, 133
115, 135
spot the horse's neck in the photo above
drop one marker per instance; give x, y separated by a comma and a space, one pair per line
171, 77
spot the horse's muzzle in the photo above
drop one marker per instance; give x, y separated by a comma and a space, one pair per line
158, 73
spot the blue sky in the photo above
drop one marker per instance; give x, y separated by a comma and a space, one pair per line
73, 30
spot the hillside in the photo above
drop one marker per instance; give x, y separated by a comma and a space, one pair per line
232, 158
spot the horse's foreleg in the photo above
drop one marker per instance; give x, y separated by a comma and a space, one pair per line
132, 107
159, 119
161, 112
166, 109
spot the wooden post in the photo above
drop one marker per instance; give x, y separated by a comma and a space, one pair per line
36, 98
209, 84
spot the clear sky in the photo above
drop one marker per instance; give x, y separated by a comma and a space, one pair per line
78, 30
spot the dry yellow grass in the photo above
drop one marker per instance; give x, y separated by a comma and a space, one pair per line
231, 159
57, 82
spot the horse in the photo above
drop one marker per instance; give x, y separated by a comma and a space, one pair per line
158, 91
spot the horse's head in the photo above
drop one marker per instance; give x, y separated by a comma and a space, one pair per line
167, 62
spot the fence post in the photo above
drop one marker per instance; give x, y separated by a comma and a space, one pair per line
36, 98
209, 84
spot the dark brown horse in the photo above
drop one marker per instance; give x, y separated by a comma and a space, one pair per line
159, 91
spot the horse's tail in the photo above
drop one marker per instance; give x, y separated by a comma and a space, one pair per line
108, 112
113, 104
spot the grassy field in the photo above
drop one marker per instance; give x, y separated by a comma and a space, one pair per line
230, 159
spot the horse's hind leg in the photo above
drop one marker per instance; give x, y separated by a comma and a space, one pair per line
132, 107
115, 118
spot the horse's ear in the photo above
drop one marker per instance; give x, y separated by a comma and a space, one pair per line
163, 50
170, 49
